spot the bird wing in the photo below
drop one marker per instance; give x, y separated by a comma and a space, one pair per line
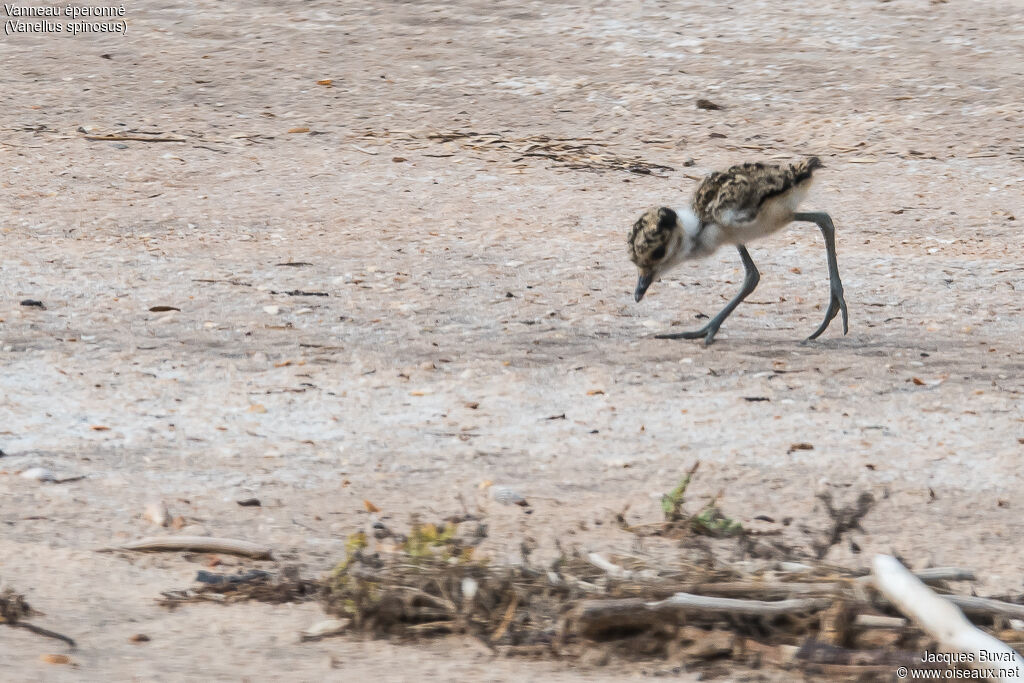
735, 195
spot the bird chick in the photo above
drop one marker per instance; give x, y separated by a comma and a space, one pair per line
735, 206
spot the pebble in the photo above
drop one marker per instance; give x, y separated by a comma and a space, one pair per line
507, 496
156, 513
39, 474
323, 629
272, 310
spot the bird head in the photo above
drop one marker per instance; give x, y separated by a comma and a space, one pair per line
657, 242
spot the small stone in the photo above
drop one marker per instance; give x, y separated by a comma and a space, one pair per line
139, 638
508, 496
272, 310
249, 502
39, 474
156, 513
324, 629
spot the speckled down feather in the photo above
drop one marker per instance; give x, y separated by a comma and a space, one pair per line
736, 194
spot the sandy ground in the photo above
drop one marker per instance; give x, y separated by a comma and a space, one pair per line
464, 272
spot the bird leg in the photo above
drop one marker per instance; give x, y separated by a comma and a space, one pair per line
836, 301
750, 280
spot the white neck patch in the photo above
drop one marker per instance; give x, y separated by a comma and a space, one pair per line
688, 219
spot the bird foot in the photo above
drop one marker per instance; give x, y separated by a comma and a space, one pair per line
707, 333
836, 303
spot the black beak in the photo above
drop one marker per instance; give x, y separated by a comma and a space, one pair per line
642, 283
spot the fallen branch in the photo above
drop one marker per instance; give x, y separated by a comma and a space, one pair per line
942, 620
199, 544
688, 602
595, 616
765, 590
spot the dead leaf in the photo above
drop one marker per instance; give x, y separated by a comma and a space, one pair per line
398, 160
473, 405
55, 659
918, 381
299, 129
100, 428
325, 81
595, 392
283, 364
795, 270
370, 507
257, 408
802, 446
163, 309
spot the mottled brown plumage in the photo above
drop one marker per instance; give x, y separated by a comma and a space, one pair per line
737, 194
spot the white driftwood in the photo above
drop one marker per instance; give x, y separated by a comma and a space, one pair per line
201, 544
941, 619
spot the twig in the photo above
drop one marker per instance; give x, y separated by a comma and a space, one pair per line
688, 602
507, 619
42, 631
199, 544
137, 138
766, 590
941, 619
878, 621
610, 568
594, 617
974, 605
945, 574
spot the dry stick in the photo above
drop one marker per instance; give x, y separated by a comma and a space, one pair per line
969, 603
878, 621
507, 619
942, 620
199, 544
593, 616
137, 138
688, 602
768, 590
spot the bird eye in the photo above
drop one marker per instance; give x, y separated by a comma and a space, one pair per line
658, 253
